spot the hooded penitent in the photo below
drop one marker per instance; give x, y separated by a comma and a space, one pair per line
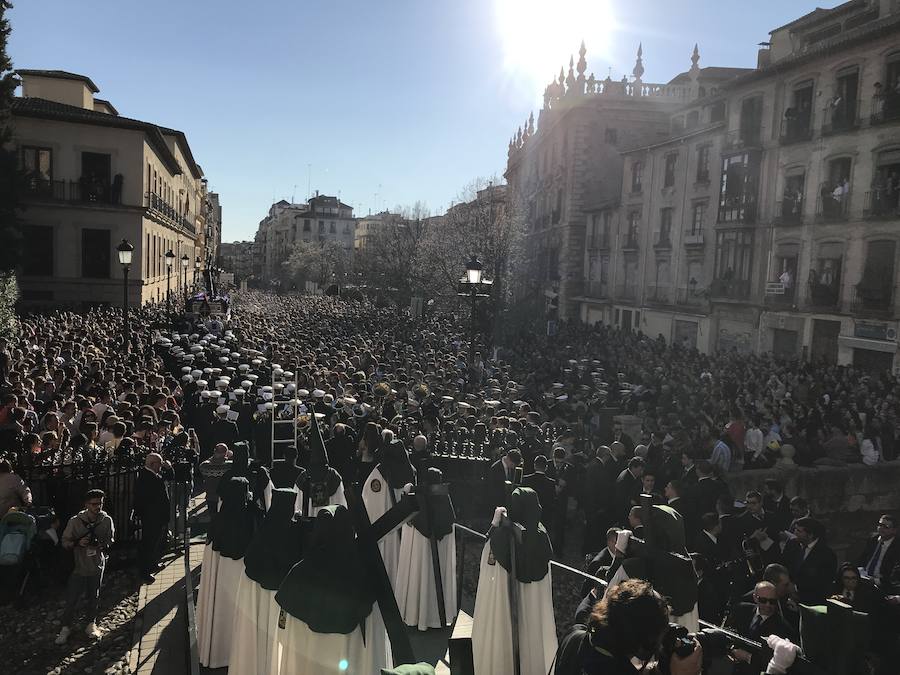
441, 514
233, 527
329, 589
320, 480
534, 551
278, 543
395, 466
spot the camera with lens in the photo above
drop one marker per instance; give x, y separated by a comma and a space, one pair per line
678, 641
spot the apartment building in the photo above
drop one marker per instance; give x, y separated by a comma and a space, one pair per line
93, 178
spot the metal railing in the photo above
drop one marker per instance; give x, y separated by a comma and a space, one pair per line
789, 212
70, 191
882, 203
596, 289
744, 138
885, 108
624, 292
779, 295
659, 294
63, 486
797, 129
873, 300
832, 208
843, 116
730, 289
738, 209
823, 296
691, 297
599, 242
162, 208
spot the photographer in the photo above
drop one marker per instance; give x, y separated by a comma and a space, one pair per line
628, 623
89, 534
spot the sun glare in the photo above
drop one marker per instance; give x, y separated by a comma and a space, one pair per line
539, 36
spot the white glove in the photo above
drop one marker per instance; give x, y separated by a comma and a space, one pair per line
407, 488
784, 652
499, 512
622, 540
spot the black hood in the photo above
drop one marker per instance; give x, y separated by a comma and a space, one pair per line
442, 515
395, 465
278, 543
534, 551
329, 589
232, 528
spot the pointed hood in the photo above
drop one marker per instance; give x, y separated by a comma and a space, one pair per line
534, 551
329, 589
233, 526
395, 465
278, 543
442, 515
318, 455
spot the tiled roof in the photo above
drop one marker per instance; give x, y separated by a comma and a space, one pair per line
51, 110
60, 75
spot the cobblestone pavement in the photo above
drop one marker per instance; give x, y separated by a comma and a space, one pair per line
27, 634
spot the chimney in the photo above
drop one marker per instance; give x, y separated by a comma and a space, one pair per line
763, 58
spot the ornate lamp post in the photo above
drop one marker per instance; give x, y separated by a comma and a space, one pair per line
185, 263
474, 285
170, 259
196, 271
125, 251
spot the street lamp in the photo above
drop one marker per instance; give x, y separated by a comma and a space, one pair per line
185, 263
125, 251
474, 285
170, 259
196, 270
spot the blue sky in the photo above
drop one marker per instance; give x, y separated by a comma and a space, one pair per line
409, 100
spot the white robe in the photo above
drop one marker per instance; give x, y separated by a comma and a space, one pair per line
415, 589
254, 648
377, 498
216, 618
492, 623
305, 652
206, 602
337, 499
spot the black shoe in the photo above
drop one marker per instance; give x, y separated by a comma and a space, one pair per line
147, 578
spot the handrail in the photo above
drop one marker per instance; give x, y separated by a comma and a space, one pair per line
597, 580
193, 649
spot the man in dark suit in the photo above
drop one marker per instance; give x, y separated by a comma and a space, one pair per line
501, 471
704, 496
151, 504
688, 470
599, 565
707, 543
342, 452
223, 430
882, 554
565, 476
619, 436
814, 573
628, 488
545, 487
596, 499
777, 503
757, 621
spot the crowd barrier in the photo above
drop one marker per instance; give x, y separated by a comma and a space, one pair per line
63, 487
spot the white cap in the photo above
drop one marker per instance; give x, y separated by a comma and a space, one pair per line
303, 393
187, 378
196, 373
222, 409
246, 384
318, 393
239, 392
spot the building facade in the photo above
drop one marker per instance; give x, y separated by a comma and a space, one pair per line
765, 217
93, 178
237, 257
321, 220
566, 168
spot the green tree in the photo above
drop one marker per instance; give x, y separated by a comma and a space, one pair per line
322, 263
10, 227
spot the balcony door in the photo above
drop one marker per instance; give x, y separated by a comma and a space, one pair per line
96, 173
875, 289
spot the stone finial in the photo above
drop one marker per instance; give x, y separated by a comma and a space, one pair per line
512, 147
591, 84
638, 71
570, 80
562, 80
531, 124
695, 56
582, 64
547, 96
519, 138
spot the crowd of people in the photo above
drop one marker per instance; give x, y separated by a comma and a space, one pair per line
188, 400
